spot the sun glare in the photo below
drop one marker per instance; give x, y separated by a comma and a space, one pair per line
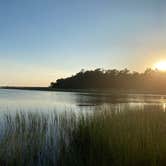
161, 65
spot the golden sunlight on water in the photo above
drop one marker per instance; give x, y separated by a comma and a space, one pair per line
164, 107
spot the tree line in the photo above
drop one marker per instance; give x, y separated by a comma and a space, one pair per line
114, 79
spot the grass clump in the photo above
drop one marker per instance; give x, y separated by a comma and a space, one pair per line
129, 138
103, 138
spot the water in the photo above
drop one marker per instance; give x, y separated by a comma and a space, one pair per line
16, 135
24, 100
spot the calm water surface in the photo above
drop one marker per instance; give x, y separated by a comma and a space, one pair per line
14, 100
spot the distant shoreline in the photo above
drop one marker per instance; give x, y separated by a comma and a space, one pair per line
49, 89
33, 88
113, 91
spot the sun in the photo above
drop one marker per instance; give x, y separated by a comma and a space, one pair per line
161, 65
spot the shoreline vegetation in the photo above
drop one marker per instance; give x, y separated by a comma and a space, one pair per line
103, 138
100, 79
107, 81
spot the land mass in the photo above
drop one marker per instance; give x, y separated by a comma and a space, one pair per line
98, 80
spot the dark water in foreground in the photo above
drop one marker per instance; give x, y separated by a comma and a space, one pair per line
24, 100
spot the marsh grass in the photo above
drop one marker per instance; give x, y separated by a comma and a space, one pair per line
102, 138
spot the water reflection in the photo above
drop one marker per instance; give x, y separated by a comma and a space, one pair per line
11, 100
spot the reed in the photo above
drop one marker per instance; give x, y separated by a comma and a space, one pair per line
101, 138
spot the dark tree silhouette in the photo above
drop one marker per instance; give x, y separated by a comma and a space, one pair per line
113, 79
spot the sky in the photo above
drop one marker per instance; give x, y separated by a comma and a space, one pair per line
43, 40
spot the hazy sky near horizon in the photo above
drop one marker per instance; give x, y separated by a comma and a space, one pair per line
42, 40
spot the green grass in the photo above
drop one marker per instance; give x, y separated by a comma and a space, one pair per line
102, 138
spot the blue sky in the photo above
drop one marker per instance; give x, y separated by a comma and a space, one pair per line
42, 40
